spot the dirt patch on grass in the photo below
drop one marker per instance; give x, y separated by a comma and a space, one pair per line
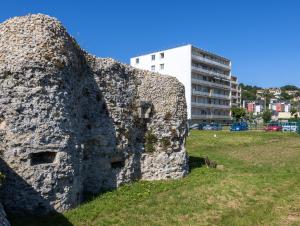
292, 216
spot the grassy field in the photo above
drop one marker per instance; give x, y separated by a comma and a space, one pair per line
259, 185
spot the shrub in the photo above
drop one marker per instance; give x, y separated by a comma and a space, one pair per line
2, 177
168, 115
150, 141
267, 116
165, 142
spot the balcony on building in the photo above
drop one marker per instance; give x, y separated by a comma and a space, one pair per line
220, 106
210, 72
204, 113
210, 81
211, 117
211, 59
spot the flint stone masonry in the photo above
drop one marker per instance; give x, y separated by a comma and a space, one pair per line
72, 124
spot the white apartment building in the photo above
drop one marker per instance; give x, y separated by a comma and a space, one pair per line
206, 77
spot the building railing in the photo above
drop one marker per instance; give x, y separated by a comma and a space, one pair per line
211, 105
210, 72
200, 93
220, 96
210, 94
200, 81
195, 116
209, 61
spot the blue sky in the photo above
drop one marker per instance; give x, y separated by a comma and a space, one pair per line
262, 38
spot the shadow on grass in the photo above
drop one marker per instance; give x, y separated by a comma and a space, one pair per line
51, 219
196, 162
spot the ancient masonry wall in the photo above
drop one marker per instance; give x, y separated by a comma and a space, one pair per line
72, 124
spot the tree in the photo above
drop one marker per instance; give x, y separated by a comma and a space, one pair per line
293, 112
285, 96
250, 117
289, 87
238, 113
268, 96
248, 95
249, 92
267, 116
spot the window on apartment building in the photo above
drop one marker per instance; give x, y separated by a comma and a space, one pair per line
137, 60
153, 57
153, 68
162, 55
162, 66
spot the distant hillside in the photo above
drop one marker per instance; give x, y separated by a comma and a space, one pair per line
287, 92
249, 92
289, 87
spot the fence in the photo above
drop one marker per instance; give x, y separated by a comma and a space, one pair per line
254, 127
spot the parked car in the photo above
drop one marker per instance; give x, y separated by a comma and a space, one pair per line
239, 126
194, 126
289, 127
212, 126
201, 125
197, 126
273, 126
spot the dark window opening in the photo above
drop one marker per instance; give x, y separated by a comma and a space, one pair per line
85, 92
42, 158
98, 97
86, 154
41, 207
117, 164
104, 107
78, 195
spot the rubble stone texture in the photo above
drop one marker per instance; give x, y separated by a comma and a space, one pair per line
72, 124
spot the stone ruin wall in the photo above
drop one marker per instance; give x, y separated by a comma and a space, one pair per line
72, 124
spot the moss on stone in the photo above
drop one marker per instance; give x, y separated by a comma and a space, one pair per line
168, 115
165, 142
2, 177
150, 141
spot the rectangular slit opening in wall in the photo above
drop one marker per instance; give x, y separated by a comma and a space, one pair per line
45, 157
117, 164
